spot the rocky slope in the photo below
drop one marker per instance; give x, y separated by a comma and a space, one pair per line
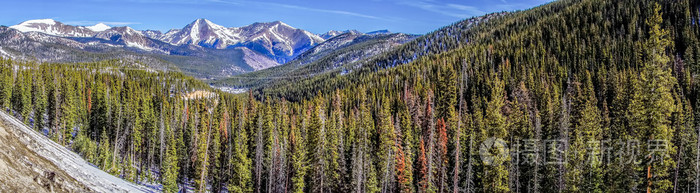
275, 40
334, 54
31, 162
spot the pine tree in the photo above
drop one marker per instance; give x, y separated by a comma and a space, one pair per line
428, 177
105, 153
7, 85
422, 162
334, 152
298, 160
98, 110
442, 155
317, 148
170, 166
584, 171
405, 152
21, 95
202, 161
496, 173
38, 101
68, 107
220, 125
651, 108
137, 139
446, 92
387, 144
241, 179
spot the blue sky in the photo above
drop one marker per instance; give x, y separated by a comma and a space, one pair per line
317, 16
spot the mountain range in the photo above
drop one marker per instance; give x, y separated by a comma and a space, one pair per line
202, 48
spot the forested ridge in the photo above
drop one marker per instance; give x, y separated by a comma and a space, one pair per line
587, 96
321, 59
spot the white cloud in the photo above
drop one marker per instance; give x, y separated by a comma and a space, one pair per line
110, 23
450, 9
303, 8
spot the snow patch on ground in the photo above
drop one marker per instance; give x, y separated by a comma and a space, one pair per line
28, 26
4, 54
198, 94
231, 89
139, 46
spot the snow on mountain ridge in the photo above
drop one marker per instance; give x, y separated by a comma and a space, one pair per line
330, 34
99, 27
275, 39
52, 27
42, 21
202, 32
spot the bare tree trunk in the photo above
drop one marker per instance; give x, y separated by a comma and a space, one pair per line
458, 132
359, 166
162, 135
271, 165
321, 151
564, 137
206, 156
116, 137
258, 157
387, 174
431, 137
538, 137
469, 182
697, 162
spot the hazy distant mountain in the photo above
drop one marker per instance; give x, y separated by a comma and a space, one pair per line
51, 27
119, 35
130, 38
379, 32
204, 33
335, 54
275, 40
201, 48
333, 33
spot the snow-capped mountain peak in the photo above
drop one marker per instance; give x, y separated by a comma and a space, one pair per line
39, 21
52, 27
379, 32
333, 33
280, 23
264, 44
277, 39
99, 27
204, 33
34, 25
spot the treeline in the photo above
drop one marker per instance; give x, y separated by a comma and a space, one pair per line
587, 96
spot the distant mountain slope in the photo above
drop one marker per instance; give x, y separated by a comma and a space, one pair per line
202, 48
555, 39
439, 41
31, 162
331, 55
34, 46
276, 40
52, 27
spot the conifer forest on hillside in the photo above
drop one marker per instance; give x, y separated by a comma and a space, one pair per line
570, 96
